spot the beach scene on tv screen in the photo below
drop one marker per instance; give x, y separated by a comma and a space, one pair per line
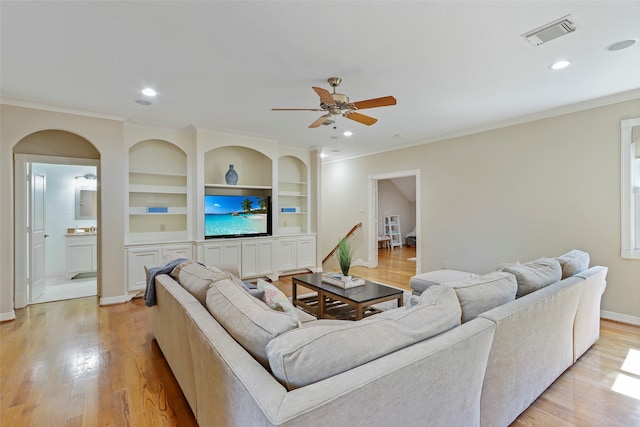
234, 215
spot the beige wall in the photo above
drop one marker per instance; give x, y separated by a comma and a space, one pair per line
516, 193
107, 137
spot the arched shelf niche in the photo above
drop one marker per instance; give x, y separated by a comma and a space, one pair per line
254, 169
157, 209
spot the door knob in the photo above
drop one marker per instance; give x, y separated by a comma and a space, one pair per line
46, 235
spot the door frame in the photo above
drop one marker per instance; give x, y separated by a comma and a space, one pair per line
373, 214
22, 169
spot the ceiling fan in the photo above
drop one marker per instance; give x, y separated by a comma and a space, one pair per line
336, 104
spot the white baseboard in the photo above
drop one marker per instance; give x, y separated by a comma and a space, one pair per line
618, 317
7, 316
116, 300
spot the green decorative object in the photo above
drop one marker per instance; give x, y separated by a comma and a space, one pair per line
345, 252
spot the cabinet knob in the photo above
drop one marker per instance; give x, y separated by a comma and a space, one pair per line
46, 235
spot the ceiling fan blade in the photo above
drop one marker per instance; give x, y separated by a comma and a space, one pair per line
375, 102
361, 118
325, 95
297, 109
319, 121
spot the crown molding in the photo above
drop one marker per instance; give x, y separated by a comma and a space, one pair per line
16, 102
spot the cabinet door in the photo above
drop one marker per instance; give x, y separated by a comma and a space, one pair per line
137, 258
286, 254
184, 251
257, 258
79, 259
306, 252
222, 253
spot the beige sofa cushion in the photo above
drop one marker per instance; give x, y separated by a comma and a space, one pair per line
573, 262
248, 320
534, 275
196, 278
483, 293
326, 348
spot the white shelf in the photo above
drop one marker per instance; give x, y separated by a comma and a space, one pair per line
392, 229
293, 182
142, 210
252, 187
291, 194
167, 189
157, 174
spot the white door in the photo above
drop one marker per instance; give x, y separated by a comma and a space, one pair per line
38, 237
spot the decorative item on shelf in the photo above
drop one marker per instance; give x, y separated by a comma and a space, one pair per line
157, 209
231, 177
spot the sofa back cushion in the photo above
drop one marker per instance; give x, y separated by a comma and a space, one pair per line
196, 278
483, 293
534, 275
573, 262
248, 320
326, 348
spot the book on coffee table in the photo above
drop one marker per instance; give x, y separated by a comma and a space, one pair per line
336, 279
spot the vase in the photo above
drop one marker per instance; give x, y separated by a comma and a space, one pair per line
231, 177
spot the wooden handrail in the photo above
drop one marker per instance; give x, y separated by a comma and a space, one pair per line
349, 234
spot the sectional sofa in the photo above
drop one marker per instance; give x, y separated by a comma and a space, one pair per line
452, 357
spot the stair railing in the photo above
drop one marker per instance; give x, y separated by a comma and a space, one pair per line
351, 232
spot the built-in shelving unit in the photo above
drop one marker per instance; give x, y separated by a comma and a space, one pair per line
293, 200
164, 217
157, 192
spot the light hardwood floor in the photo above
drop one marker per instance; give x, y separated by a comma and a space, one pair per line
72, 363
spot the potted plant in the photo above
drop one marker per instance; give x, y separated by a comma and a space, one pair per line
345, 253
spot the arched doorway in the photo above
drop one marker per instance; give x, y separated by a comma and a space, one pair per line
63, 154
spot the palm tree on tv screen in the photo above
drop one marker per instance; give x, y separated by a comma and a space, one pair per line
246, 205
263, 203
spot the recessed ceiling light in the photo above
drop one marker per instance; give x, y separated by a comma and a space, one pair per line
148, 92
559, 65
347, 133
621, 45
143, 102
323, 155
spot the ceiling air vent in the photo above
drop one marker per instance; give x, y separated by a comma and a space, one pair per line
550, 31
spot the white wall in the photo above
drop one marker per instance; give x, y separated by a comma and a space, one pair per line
106, 135
516, 193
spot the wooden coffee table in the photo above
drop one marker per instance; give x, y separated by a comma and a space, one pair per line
333, 302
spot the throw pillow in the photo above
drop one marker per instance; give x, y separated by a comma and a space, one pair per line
275, 299
573, 262
534, 275
252, 290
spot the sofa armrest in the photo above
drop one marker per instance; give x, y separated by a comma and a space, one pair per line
586, 329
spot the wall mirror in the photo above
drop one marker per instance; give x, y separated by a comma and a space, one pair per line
86, 203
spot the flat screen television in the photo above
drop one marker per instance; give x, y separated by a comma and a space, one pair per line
236, 216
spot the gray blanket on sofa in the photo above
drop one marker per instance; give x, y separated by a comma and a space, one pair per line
150, 291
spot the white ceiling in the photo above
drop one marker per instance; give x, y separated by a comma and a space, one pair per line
453, 66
